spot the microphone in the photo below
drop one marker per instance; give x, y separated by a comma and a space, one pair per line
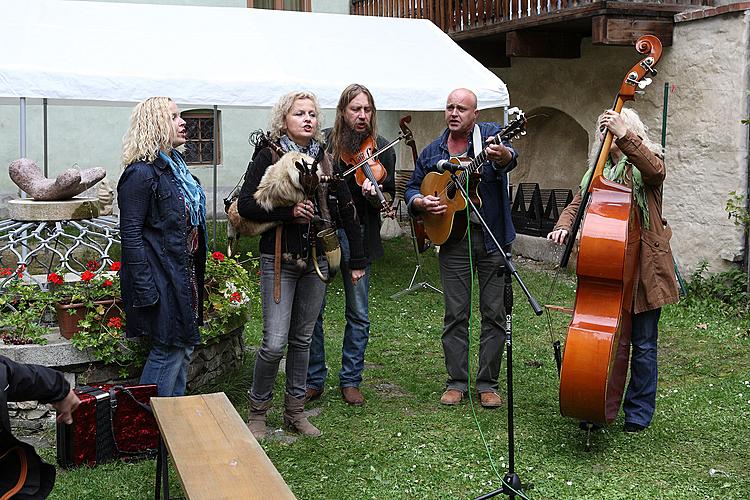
447, 166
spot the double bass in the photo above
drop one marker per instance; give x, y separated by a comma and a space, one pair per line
597, 347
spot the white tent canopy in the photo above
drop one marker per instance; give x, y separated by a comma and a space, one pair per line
228, 56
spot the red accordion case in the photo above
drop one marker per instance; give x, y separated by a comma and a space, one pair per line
111, 422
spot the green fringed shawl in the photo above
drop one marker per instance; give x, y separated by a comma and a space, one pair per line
617, 174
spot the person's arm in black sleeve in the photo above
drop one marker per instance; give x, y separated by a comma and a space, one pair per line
388, 159
39, 383
348, 214
33, 382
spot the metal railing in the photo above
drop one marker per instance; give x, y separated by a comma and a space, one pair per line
454, 16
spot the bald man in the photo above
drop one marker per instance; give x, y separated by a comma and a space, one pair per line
464, 137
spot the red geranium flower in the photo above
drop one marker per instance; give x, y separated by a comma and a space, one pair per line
5, 271
54, 278
218, 256
115, 322
115, 266
87, 276
107, 283
92, 265
235, 297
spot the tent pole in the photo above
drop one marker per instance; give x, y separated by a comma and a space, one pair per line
22, 132
44, 112
216, 156
22, 148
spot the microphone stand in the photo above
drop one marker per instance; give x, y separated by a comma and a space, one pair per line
512, 485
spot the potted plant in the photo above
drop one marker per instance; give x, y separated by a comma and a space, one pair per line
22, 309
90, 302
230, 290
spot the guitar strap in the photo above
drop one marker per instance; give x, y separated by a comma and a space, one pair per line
477, 144
477, 140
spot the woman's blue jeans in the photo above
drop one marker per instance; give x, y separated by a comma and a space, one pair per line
167, 367
287, 325
640, 398
356, 331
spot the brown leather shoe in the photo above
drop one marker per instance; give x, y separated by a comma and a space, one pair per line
353, 396
490, 399
451, 397
312, 394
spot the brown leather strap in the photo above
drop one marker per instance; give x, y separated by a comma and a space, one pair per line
22, 474
277, 267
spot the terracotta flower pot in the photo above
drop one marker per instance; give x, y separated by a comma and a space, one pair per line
68, 323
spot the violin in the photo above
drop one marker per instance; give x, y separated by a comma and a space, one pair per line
370, 167
597, 346
366, 166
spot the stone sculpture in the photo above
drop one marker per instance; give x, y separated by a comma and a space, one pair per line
27, 176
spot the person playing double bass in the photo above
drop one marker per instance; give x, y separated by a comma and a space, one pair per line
355, 125
635, 161
464, 137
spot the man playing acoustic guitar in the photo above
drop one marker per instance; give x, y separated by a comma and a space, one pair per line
464, 137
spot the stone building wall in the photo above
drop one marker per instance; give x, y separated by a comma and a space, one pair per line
706, 143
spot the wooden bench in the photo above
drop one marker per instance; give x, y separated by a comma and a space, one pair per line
214, 453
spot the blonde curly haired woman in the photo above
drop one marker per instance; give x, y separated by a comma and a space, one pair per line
291, 291
163, 233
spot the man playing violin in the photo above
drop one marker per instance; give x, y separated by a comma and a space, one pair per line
634, 160
355, 126
464, 137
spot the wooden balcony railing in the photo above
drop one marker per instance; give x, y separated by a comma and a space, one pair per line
454, 16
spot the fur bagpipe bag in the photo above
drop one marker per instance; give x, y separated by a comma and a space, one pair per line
293, 178
280, 186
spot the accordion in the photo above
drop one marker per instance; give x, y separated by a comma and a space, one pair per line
112, 422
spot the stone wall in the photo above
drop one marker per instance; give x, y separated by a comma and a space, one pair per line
221, 355
706, 143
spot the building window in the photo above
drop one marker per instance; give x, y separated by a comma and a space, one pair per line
298, 5
199, 149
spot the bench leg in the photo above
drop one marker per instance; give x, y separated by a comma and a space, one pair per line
162, 471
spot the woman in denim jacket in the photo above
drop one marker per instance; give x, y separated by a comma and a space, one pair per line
163, 232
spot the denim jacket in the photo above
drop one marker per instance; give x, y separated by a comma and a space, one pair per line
493, 188
154, 275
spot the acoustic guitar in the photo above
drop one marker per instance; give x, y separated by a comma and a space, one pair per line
451, 225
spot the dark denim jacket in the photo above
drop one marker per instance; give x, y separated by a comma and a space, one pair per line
154, 275
493, 188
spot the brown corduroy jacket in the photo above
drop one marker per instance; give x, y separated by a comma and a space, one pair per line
656, 284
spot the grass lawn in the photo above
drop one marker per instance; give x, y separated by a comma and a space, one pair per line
404, 444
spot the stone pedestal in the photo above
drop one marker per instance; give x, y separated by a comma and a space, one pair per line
27, 209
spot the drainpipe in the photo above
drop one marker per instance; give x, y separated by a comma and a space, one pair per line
747, 159
747, 198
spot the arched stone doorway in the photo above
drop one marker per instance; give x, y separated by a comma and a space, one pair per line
553, 152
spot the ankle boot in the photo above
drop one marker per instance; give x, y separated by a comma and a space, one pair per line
256, 420
295, 419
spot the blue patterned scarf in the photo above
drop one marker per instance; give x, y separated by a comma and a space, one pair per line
195, 198
288, 144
